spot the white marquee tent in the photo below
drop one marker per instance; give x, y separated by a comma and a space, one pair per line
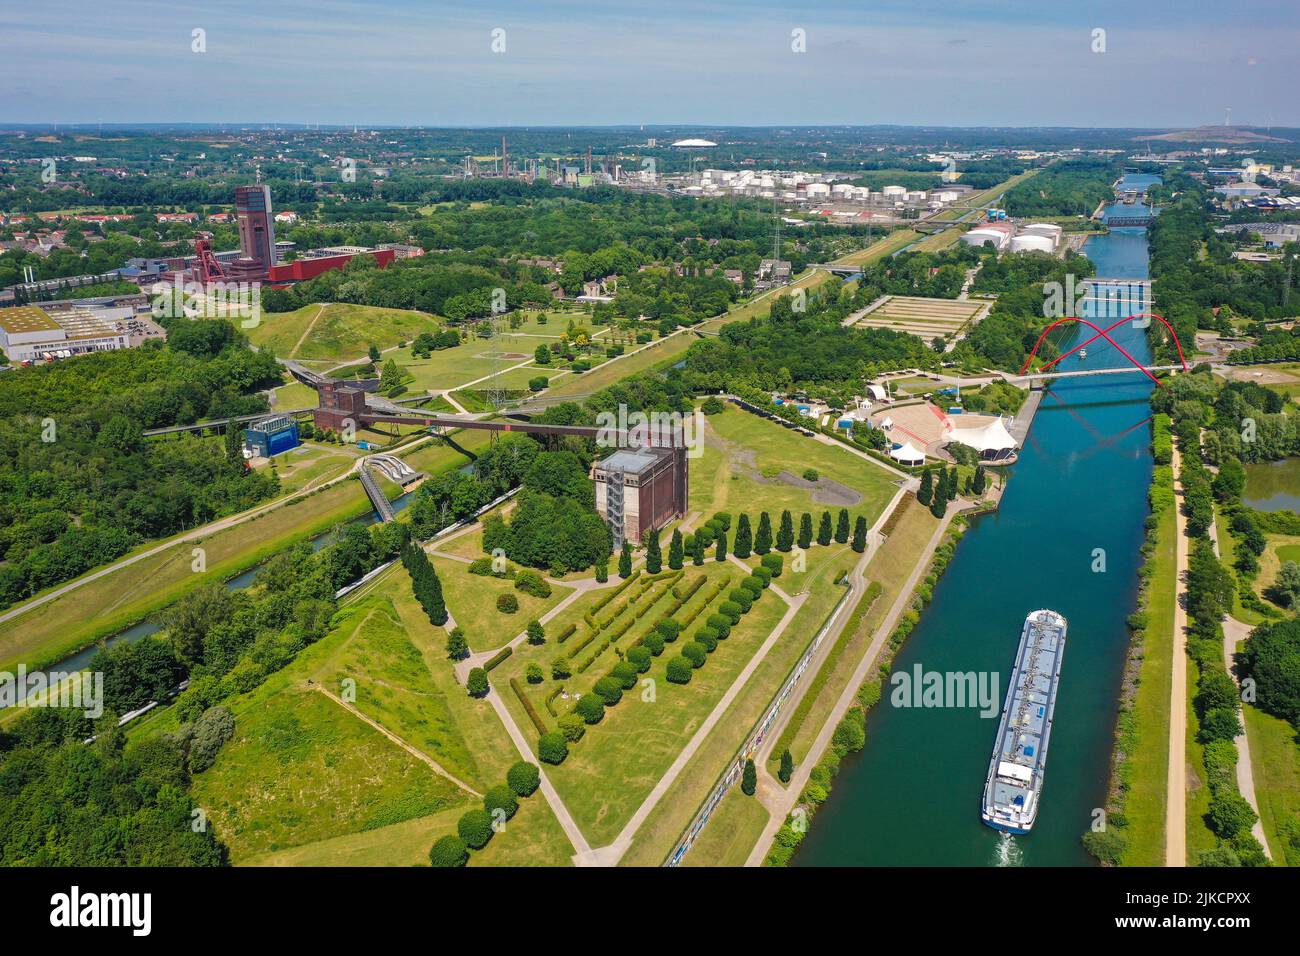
992, 441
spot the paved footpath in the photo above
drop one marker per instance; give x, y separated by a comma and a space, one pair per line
780, 804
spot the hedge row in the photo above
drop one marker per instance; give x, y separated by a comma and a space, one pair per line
550, 700
475, 827
566, 633
498, 657
528, 705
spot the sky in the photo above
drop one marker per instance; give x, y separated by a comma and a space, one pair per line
1157, 63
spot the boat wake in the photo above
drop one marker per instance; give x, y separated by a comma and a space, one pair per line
1008, 851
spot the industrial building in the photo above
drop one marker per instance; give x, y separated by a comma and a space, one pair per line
32, 333
638, 489
270, 436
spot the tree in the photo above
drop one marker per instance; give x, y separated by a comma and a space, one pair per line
712, 405
234, 442
552, 748
475, 828
720, 552
476, 684
938, 505
1287, 585
805, 531
373, 352
448, 851
523, 777
824, 530
696, 653
697, 549
980, 482
608, 689
654, 559
561, 668
457, 646
211, 731
390, 376
542, 354
860, 535
763, 538
507, 603
625, 561
787, 766
744, 543
785, 535
602, 570
1230, 814
536, 633
842, 527
925, 493
675, 551
749, 778
590, 708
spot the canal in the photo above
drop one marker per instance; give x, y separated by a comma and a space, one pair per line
1066, 537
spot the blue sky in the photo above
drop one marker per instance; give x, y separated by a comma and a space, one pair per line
430, 62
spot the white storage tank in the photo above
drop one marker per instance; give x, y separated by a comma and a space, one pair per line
1049, 229
893, 192
1032, 243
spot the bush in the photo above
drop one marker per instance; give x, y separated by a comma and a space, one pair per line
774, 563
572, 727
668, 629
749, 778
534, 674
501, 797
679, 670
448, 851
561, 668
1221, 723
713, 405
1107, 846
530, 582
590, 708
457, 646
810, 474
707, 637
1230, 814
762, 575
475, 828
608, 689
214, 728
695, 653
753, 586
654, 643
552, 748
507, 603
721, 624
625, 672
741, 597
477, 683
731, 610
639, 658
523, 778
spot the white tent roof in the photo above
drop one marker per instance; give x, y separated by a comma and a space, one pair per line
908, 452
876, 391
991, 437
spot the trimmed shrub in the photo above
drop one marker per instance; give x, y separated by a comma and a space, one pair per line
536, 633
732, 611
668, 629
501, 797
448, 852
654, 643
625, 672
476, 685
552, 748
707, 638
679, 670
608, 689
742, 597
534, 674
507, 603
721, 624
753, 586
475, 828
774, 563
498, 657
572, 727
762, 575
527, 705
697, 654
590, 708
639, 658
530, 582
561, 668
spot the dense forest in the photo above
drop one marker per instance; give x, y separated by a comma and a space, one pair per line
1072, 188
79, 484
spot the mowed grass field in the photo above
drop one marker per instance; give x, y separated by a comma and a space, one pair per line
471, 599
338, 332
1275, 760
306, 782
722, 478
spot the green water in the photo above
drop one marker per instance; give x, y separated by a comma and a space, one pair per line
912, 796
1273, 485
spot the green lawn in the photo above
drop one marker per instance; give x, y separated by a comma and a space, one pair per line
731, 833
311, 464
451, 368
1275, 760
338, 332
1147, 766
471, 599
730, 478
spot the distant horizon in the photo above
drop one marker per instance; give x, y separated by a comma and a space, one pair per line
960, 64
